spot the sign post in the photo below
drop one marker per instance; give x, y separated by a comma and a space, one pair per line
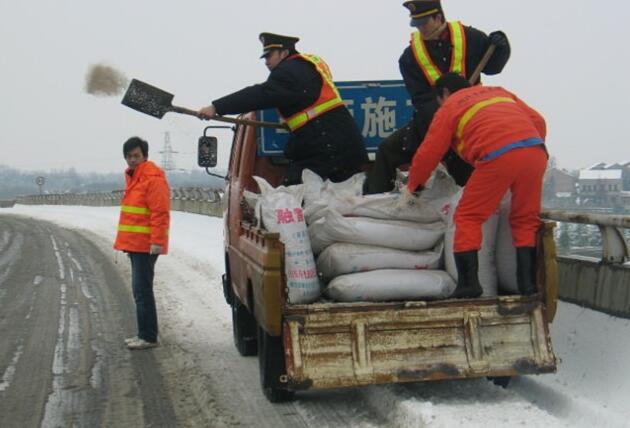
40, 182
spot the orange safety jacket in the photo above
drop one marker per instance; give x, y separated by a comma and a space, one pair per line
328, 99
144, 210
479, 123
458, 54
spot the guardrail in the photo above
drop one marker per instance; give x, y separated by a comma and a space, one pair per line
195, 200
601, 283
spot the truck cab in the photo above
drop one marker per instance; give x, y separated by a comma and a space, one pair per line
331, 344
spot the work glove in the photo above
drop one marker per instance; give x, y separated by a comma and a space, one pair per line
155, 249
498, 38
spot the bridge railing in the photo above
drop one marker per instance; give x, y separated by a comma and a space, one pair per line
601, 280
198, 200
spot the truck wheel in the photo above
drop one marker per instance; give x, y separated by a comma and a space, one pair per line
271, 363
502, 381
227, 288
244, 328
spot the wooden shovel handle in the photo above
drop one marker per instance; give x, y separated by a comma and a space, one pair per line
482, 64
184, 110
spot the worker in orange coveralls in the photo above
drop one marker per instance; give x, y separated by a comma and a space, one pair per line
143, 234
503, 138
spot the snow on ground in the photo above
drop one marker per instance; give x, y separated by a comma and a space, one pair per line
591, 388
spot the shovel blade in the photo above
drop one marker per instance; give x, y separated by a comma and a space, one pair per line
147, 99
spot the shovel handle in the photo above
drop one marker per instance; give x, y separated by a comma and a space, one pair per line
184, 110
482, 64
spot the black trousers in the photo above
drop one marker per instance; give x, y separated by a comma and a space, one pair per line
398, 149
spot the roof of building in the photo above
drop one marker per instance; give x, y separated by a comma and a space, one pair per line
600, 174
598, 165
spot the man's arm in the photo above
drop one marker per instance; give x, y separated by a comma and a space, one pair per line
285, 87
478, 44
432, 150
159, 203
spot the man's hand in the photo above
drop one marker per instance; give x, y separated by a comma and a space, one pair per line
207, 112
407, 198
155, 249
498, 38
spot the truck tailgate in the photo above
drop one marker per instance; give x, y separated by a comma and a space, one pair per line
331, 345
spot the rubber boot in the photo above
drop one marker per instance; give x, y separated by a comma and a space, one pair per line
467, 278
526, 270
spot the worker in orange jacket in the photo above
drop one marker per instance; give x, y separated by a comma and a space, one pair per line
143, 234
503, 138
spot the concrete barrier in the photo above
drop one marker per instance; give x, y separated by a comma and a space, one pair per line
197, 200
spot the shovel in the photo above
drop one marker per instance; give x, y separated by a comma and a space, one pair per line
155, 102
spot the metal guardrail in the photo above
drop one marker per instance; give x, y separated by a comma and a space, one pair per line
197, 200
598, 283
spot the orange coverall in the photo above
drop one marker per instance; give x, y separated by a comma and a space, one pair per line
502, 137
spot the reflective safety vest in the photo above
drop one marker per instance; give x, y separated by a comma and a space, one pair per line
144, 211
458, 54
328, 99
470, 113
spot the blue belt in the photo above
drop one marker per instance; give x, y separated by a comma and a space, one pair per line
516, 145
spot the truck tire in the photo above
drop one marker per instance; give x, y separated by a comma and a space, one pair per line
502, 381
244, 328
271, 364
227, 288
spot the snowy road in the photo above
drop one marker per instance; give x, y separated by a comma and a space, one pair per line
206, 383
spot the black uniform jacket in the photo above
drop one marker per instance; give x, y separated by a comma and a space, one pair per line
421, 91
330, 145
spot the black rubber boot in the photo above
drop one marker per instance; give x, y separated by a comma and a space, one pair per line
467, 278
526, 270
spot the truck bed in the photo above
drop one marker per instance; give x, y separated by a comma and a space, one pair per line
345, 344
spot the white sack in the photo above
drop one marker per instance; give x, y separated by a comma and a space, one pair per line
342, 258
384, 206
316, 188
403, 235
426, 209
281, 212
486, 256
391, 284
506, 253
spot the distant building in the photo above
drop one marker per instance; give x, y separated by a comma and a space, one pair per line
597, 166
559, 183
624, 166
601, 187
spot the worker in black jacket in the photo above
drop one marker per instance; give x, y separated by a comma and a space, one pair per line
324, 136
436, 47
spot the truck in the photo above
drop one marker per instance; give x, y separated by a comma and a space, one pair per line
332, 344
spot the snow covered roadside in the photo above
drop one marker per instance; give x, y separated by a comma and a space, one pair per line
591, 388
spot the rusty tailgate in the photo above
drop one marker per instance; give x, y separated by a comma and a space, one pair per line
333, 345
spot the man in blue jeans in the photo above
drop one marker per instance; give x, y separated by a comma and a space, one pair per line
143, 234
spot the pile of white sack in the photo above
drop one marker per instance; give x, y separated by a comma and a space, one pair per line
377, 247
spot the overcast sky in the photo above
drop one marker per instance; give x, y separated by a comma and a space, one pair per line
569, 61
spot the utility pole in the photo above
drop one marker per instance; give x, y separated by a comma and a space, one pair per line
168, 161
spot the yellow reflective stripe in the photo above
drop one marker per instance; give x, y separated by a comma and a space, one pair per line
303, 117
430, 70
457, 35
135, 210
134, 229
468, 115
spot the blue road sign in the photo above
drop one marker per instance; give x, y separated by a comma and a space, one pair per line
379, 108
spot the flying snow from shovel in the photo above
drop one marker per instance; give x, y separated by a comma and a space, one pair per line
105, 81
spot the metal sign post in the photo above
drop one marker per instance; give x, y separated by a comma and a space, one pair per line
40, 182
